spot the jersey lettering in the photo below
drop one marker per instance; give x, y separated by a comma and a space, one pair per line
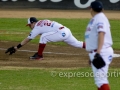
88, 29
40, 23
110, 58
47, 23
86, 36
63, 34
91, 21
100, 25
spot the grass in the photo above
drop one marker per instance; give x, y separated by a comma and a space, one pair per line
51, 79
115, 33
14, 29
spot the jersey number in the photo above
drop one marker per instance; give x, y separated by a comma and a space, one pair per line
47, 23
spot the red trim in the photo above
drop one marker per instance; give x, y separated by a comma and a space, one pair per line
84, 45
61, 28
105, 87
41, 49
93, 51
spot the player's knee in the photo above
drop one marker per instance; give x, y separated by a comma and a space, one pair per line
43, 40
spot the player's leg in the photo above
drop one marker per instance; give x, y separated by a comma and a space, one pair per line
71, 40
101, 79
100, 75
50, 37
107, 55
39, 55
53, 37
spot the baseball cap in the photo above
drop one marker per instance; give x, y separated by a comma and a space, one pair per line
97, 6
31, 20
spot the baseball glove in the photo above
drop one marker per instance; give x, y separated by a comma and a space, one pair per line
10, 50
98, 61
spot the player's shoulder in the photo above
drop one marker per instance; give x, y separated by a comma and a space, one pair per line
100, 17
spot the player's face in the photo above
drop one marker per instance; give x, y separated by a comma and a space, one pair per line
91, 12
31, 25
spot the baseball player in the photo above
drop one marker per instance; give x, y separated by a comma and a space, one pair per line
50, 31
98, 43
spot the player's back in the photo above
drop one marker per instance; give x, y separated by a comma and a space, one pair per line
47, 26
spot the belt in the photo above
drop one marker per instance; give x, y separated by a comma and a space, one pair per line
61, 28
93, 51
96, 50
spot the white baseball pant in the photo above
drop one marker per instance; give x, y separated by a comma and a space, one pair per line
100, 75
61, 35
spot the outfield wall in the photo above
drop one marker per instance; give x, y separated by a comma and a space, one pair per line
58, 4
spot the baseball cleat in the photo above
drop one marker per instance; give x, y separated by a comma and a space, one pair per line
36, 57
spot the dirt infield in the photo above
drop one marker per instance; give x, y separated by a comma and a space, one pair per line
54, 56
5, 13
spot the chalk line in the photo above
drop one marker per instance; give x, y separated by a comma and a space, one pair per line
115, 55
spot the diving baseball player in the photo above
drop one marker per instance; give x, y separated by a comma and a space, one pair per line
99, 45
50, 31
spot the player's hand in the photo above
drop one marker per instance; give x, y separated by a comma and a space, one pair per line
10, 50
98, 61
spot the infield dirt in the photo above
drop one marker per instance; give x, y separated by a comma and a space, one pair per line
61, 56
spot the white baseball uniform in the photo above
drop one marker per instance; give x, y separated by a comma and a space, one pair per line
99, 23
52, 31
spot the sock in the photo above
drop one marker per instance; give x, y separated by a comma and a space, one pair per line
41, 49
84, 45
104, 87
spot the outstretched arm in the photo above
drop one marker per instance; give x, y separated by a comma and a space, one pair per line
25, 41
13, 49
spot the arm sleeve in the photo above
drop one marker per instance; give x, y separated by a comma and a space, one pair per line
34, 33
101, 27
